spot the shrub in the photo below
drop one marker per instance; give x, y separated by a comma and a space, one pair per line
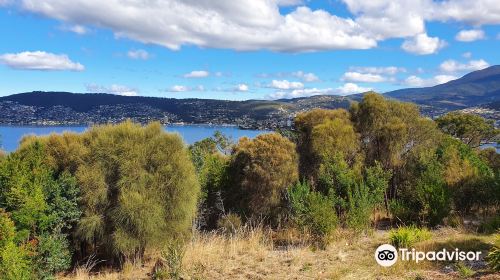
405, 237
312, 211
53, 255
14, 260
229, 223
138, 187
260, 171
493, 257
44, 206
491, 225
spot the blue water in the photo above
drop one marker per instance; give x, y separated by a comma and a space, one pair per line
11, 135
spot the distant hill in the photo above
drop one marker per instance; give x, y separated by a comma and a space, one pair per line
477, 89
66, 107
474, 89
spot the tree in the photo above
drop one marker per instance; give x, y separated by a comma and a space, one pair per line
260, 171
14, 259
310, 152
138, 187
470, 129
44, 206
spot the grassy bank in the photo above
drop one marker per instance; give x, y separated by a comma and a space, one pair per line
258, 254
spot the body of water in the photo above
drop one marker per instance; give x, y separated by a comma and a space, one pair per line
11, 135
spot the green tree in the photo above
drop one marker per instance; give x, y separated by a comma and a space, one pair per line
470, 129
43, 206
138, 187
260, 171
14, 259
312, 211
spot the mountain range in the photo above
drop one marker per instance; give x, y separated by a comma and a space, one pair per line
477, 89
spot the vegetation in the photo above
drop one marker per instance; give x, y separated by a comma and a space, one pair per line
406, 237
121, 195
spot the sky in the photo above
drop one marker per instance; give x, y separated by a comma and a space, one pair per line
245, 49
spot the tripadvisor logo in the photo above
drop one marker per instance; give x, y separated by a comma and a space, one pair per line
387, 255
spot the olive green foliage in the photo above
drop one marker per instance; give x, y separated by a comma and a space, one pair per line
311, 210
15, 263
138, 187
356, 197
209, 157
43, 206
406, 237
470, 129
230, 223
493, 257
261, 170
321, 134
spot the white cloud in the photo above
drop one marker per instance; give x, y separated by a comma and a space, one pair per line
197, 74
477, 12
179, 88
138, 54
452, 66
285, 84
78, 29
470, 35
346, 89
256, 25
389, 70
351, 88
239, 25
113, 89
467, 55
362, 77
305, 77
39, 60
422, 44
242, 87
4, 2
415, 81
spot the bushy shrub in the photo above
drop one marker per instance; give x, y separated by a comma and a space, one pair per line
15, 262
405, 237
229, 223
44, 207
312, 210
490, 225
138, 187
493, 257
261, 170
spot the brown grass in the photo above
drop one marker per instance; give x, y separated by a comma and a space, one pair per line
261, 254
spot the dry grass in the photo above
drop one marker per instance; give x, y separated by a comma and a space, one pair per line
254, 254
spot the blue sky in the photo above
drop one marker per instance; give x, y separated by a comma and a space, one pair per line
248, 49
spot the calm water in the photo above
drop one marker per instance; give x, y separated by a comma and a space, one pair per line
10, 135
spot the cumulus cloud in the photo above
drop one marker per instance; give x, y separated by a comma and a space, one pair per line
40, 60
242, 87
452, 66
180, 88
256, 25
470, 35
197, 74
422, 44
305, 77
138, 54
78, 29
467, 55
113, 89
362, 77
389, 70
415, 81
351, 88
346, 89
285, 84
239, 25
